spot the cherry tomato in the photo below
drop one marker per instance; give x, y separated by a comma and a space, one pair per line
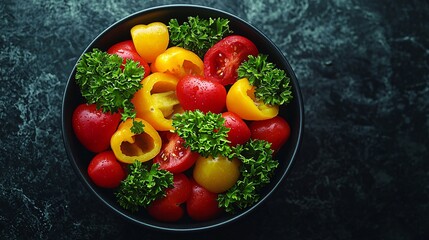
202, 205
169, 209
196, 92
275, 130
174, 157
216, 174
223, 59
105, 171
93, 128
126, 50
124, 46
239, 132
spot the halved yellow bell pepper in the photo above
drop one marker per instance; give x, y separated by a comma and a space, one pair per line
129, 147
156, 102
179, 62
241, 100
150, 40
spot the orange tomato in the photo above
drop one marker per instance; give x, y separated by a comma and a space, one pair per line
216, 174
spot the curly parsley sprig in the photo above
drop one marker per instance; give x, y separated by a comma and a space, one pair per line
204, 133
197, 34
272, 84
144, 184
102, 81
256, 170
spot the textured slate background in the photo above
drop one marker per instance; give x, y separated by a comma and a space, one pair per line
363, 171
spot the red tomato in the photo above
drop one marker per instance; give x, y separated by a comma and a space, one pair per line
93, 128
202, 205
126, 50
169, 209
124, 46
195, 92
275, 130
239, 132
223, 59
174, 157
105, 171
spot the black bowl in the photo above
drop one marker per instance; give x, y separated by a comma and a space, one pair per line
119, 31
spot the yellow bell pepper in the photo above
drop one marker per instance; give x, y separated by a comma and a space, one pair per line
129, 147
156, 101
241, 100
150, 40
179, 62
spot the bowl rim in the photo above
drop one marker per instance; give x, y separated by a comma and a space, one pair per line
233, 218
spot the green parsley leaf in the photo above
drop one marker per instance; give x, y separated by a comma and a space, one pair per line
198, 35
102, 81
271, 83
137, 127
144, 184
242, 195
204, 133
256, 170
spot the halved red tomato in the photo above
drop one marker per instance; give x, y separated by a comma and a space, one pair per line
223, 59
174, 156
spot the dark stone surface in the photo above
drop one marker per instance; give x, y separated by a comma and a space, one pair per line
363, 171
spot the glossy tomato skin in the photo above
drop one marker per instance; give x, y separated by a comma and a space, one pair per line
169, 209
196, 92
174, 156
202, 205
126, 50
223, 59
124, 46
216, 174
105, 171
239, 132
93, 128
275, 130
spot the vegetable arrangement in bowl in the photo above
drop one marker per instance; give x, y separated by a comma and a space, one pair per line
182, 123
182, 118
